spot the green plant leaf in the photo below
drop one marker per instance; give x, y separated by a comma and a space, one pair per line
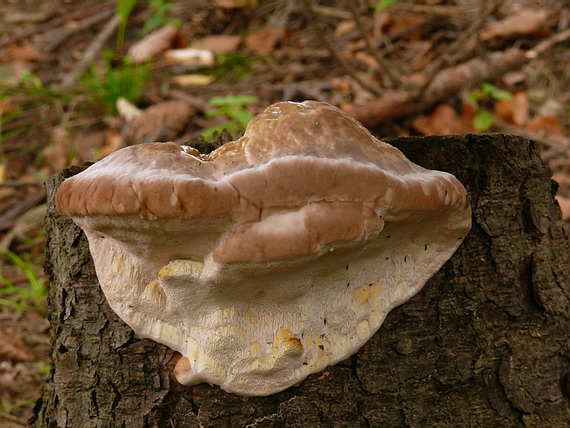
232, 107
32, 298
44, 368
476, 96
123, 9
385, 4
229, 126
159, 17
483, 121
234, 66
494, 92
232, 100
128, 80
242, 117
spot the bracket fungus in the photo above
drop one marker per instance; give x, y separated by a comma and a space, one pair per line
271, 257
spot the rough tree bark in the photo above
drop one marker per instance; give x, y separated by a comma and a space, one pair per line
485, 343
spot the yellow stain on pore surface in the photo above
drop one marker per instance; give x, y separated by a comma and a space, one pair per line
227, 313
181, 267
117, 265
367, 292
363, 329
285, 345
254, 349
154, 292
284, 339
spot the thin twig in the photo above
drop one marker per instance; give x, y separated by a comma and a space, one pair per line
548, 141
86, 23
446, 58
397, 103
375, 52
331, 12
92, 50
13, 419
57, 22
448, 82
18, 184
8, 217
548, 43
325, 41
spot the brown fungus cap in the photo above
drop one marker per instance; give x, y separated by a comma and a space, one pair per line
273, 256
304, 174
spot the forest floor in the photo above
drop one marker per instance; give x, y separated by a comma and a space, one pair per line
80, 79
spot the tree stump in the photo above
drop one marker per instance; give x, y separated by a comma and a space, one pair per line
485, 343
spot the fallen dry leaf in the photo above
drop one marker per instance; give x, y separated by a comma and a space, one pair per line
408, 27
444, 120
160, 122
12, 347
154, 44
546, 125
366, 59
522, 23
219, 44
263, 42
7, 106
231, 4
561, 178
564, 207
513, 110
514, 77
344, 27
22, 52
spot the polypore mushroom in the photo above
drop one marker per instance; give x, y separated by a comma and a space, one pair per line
273, 256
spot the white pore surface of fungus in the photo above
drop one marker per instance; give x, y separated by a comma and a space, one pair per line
275, 255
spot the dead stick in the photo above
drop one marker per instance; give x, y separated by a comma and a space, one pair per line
395, 104
57, 22
82, 25
446, 58
548, 43
548, 141
376, 53
14, 420
324, 40
92, 50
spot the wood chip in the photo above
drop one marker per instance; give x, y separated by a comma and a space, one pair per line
523, 23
